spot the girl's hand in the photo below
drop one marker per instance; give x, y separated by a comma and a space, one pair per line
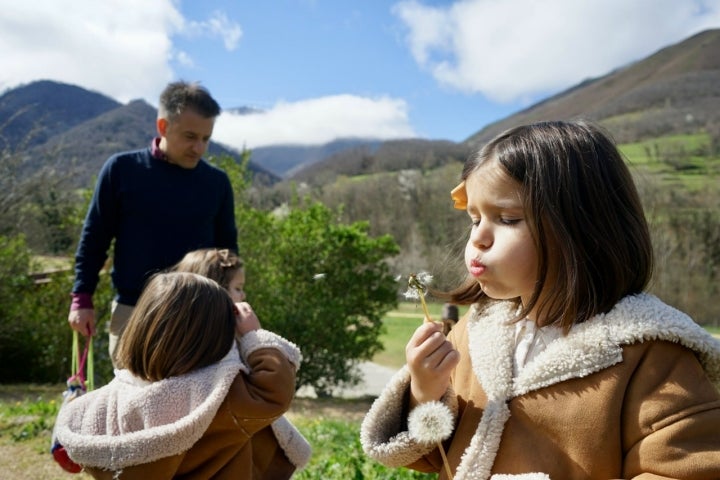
431, 359
245, 318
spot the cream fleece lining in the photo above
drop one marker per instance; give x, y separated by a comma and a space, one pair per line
131, 422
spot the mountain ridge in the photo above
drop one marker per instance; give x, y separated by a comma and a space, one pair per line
675, 81
674, 90
66, 127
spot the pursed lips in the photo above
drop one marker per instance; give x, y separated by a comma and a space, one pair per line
476, 267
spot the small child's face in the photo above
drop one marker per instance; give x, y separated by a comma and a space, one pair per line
500, 253
236, 287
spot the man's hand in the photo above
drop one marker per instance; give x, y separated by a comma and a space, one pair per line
82, 321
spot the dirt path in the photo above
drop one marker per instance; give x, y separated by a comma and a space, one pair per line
375, 377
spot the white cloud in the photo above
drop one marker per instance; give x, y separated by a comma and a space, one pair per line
118, 47
121, 48
124, 49
509, 50
217, 25
316, 121
184, 59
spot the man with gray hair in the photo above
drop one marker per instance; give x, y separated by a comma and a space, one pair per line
157, 204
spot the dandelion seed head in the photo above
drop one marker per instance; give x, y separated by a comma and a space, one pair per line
417, 284
419, 281
412, 294
431, 422
425, 278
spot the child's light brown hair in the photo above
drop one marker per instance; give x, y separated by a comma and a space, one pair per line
220, 265
182, 322
585, 215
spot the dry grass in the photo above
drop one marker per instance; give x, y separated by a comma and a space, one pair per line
29, 459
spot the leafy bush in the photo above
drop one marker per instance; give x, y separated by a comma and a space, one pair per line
15, 333
321, 284
35, 340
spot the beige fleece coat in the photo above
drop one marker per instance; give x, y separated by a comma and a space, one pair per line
221, 421
631, 394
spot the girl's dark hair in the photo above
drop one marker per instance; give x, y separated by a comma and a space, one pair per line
584, 213
220, 265
182, 322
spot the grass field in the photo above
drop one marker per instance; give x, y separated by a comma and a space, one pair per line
714, 330
677, 160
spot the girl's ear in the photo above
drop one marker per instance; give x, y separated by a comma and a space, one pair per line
162, 125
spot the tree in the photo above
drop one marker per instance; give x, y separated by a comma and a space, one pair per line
39, 204
35, 340
322, 284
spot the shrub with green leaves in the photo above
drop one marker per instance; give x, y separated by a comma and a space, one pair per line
26, 420
35, 339
322, 284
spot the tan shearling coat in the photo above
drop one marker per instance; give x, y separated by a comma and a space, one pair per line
631, 394
223, 421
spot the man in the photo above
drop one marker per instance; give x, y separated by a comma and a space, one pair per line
157, 203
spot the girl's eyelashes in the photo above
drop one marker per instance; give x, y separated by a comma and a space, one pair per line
508, 221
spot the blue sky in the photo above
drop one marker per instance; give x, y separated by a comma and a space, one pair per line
322, 69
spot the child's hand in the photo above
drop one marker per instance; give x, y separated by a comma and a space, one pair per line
431, 359
245, 319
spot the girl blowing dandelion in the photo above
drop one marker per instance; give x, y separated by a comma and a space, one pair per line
563, 366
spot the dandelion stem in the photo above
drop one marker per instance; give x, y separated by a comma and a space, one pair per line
425, 307
445, 461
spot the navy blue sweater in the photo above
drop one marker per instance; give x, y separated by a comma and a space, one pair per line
156, 212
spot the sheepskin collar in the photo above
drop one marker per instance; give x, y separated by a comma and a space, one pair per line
588, 348
131, 421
